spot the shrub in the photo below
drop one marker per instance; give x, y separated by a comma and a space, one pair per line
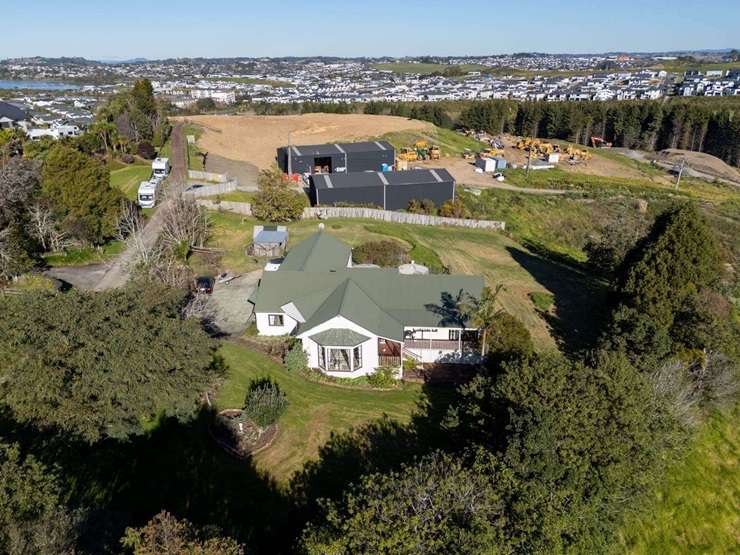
127, 158
296, 359
383, 377
265, 402
425, 206
146, 150
382, 253
542, 301
454, 209
275, 201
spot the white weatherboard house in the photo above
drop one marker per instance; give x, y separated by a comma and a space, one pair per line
352, 321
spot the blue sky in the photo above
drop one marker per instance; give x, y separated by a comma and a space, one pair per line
118, 29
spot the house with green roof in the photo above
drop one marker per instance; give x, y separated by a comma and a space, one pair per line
353, 320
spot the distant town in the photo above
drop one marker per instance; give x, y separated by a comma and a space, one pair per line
70, 88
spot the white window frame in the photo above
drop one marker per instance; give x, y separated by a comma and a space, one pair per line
271, 318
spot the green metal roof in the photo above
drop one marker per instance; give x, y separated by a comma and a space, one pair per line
339, 338
379, 299
319, 253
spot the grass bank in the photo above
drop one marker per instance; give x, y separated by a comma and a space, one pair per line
314, 412
695, 509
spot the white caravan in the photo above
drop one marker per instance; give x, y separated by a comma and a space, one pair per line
161, 167
147, 196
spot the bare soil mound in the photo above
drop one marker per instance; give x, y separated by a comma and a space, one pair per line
254, 139
700, 161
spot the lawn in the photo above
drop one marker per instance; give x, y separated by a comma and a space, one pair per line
450, 142
85, 255
128, 178
497, 257
195, 159
314, 410
695, 510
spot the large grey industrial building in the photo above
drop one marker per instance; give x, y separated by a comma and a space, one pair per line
336, 158
387, 190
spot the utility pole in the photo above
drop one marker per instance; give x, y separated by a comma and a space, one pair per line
529, 160
680, 172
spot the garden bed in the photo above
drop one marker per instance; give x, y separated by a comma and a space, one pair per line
239, 436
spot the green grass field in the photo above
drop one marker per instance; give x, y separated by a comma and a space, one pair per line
85, 255
497, 257
128, 178
314, 410
450, 142
195, 160
696, 508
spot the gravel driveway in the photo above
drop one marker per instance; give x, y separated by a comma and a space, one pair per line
232, 311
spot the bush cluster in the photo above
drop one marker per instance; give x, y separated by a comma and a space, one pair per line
383, 253
265, 402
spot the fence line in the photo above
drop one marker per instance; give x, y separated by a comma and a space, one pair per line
398, 217
245, 209
212, 190
208, 176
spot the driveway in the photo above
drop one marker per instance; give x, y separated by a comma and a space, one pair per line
229, 304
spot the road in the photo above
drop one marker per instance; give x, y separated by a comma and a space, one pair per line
119, 270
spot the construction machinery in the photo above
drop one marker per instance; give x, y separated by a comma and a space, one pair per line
408, 154
434, 152
468, 154
578, 154
490, 153
599, 142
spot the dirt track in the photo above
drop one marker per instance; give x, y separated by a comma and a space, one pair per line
119, 270
254, 139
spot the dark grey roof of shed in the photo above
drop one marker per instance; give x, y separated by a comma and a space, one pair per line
378, 179
10, 111
340, 148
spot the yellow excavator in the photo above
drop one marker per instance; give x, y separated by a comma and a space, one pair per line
490, 153
408, 154
578, 154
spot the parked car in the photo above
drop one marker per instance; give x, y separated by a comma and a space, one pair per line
204, 284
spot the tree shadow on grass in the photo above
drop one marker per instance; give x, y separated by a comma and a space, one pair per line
580, 300
376, 447
178, 468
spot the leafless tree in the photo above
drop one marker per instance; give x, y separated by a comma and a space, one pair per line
159, 263
199, 307
7, 254
43, 227
184, 222
692, 389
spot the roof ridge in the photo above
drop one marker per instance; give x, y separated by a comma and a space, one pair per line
380, 308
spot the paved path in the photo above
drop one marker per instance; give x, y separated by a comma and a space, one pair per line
119, 271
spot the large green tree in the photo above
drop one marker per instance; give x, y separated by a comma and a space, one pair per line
676, 262
437, 505
78, 188
19, 185
32, 516
102, 364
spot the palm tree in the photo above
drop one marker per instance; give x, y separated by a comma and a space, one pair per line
482, 311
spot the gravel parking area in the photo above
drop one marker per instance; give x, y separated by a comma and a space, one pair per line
232, 311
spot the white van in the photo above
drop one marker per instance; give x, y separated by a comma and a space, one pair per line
147, 195
161, 167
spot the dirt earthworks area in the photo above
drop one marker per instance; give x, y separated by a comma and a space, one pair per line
255, 139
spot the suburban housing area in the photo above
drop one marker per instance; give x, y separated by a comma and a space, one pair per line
352, 320
369, 306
